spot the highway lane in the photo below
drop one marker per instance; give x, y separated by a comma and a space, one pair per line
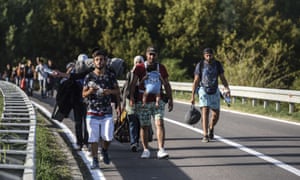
254, 135
234, 155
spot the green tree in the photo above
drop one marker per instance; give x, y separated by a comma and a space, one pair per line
264, 58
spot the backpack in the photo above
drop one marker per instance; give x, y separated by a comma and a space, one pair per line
117, 65
125, 91
192, 116
83, 66
208, 90
121, 126
153, 82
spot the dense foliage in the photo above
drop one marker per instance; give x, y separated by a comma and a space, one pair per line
258, 41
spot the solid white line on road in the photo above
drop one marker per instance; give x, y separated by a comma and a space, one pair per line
97, 173
242, 148
247, 114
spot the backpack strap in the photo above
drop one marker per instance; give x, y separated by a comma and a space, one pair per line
157, 66
201, 65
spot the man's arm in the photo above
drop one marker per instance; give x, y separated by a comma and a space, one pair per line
132, 88
86, 91
168, 89
225, 83
194, 87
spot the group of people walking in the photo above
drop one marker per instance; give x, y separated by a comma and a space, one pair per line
26, 73
91, 93
100, 90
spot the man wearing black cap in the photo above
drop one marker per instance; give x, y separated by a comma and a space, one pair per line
206, 76
145, 112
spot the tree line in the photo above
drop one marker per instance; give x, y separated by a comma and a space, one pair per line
257, 41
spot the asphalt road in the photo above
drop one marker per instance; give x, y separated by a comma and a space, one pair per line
246, 147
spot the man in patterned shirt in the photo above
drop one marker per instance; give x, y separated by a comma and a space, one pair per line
99, 87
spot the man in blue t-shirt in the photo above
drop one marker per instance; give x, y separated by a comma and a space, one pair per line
206, 76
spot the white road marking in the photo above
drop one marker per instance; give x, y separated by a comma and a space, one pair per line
96, 173
247, 114
242, 148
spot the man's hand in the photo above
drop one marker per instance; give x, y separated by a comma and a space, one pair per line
170, 104
131, 101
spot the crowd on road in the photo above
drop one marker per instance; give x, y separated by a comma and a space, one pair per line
90, 88
29, 76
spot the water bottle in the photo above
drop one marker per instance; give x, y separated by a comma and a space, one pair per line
227, 98
99, 91
92, 84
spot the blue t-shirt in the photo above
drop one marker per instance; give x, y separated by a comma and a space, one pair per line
210, 73
100, 103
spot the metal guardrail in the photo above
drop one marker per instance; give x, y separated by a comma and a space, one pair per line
17, 134
278, 96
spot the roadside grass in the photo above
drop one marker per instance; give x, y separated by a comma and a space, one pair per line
247, 107
50, 160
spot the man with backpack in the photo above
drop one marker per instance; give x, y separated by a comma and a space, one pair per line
98, 88
206, 76
149, 110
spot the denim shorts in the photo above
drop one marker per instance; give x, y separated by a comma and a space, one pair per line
148, 111
209, 100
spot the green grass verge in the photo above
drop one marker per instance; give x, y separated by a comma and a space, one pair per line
248, 108
50, 160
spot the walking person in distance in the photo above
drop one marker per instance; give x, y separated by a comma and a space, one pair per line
206, 76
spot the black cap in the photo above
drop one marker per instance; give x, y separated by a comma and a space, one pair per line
208, 51
151, 50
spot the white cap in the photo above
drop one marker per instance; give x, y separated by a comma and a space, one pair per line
139, 59
82, 57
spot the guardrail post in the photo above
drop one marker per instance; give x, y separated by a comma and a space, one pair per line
291, 108
253, 102
233, 99
265, 104
243, 100
277, 106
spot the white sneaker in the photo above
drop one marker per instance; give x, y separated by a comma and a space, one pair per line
162, 154
145, 154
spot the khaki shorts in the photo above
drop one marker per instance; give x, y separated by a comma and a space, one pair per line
149, 110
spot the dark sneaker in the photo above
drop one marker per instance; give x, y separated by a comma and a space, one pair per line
205, 139
105, 156
211, 134
134, 148
95, 164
